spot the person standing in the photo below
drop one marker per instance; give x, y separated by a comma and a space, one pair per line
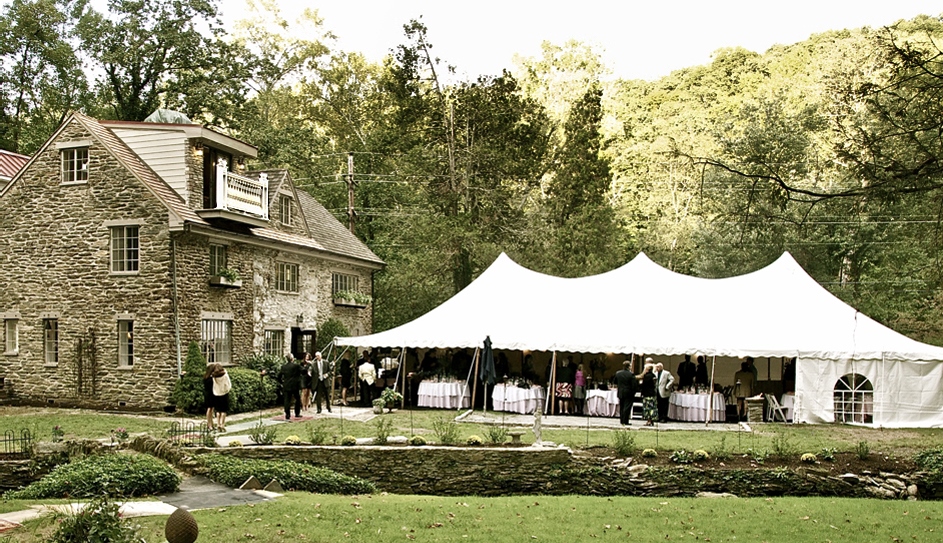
346, 373
290, 376
367, 374
208, 399
743, 388
700, 373
665, 382
320, 373
579, 390
221, 387
626, 384
564, 386
649, 391
306, 384
686, 371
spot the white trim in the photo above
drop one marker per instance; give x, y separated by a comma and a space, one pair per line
123, 222
10, 315
215, 316
124, 316
50, 315
63, 145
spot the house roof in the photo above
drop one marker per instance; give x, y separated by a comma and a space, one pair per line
10, 163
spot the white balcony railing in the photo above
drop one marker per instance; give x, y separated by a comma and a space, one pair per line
235, 192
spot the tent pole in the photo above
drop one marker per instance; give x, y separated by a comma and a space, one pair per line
399, 371
710, 399
475, 382
465, 388
551, 394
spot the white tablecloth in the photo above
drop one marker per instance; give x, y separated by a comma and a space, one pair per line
602, 403
693, 407
515, 399
788, 402
443, 395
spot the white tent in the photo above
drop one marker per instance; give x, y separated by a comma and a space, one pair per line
778, 311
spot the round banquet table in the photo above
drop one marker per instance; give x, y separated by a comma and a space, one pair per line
444, 395
787, 403
689, 407
602, 403
515, 399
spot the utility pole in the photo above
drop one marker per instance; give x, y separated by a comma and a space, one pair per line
351, 214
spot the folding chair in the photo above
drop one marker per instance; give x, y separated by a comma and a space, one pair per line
636, 402
773, 409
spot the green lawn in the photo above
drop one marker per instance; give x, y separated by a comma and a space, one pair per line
379, 518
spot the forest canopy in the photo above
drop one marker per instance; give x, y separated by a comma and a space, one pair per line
830, 148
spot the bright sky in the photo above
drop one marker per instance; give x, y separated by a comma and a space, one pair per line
638, 39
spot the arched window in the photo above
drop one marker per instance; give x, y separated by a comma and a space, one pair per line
854, 399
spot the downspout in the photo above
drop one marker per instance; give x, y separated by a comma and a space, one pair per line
173, 273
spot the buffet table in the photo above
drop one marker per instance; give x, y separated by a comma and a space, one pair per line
689, 407
443, 395
787, 403
602, 403
515, 399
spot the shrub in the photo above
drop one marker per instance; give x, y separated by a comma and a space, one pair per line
757, 456
292, 440
232, 472
681, 457
496, 434
417, 441
474, 441
328, 330
720, 452
700, 455
828, 454
808, 458
57, 433
383, 428
269, 363
317, 433
649, 453
783, 447
348, 441
250, 391
624, 442
445, 430
235, 443
261, 434
863, 450
125, 475
188, 390
98, 521
931, 461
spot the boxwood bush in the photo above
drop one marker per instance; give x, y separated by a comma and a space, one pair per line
250, 392
233, 472
119, 474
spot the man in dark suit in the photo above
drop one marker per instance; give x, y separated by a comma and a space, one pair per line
320, 374
627, 385
686, 371
290, 376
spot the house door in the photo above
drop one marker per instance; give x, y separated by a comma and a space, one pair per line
302, 341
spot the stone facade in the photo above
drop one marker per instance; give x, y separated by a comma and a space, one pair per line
55, 267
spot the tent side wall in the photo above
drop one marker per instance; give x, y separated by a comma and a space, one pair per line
903, 393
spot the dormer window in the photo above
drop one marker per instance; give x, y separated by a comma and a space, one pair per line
74, 165
284, 209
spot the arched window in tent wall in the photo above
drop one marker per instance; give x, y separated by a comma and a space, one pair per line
854, 399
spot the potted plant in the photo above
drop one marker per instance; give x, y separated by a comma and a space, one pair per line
226, 277
352, 298
378, 406
390, 397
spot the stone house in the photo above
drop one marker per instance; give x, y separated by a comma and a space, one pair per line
122, 242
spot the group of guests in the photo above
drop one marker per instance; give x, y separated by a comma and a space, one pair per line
570, 387
305, 381
655, 385
216, 387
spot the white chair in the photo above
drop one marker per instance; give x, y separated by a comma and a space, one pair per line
773, 409
636, 402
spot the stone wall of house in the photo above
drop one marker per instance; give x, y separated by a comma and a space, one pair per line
55, 263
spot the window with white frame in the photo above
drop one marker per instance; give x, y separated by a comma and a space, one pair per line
344, 282
218, 258
51, 341
125, 343
854, 399
125, 249
284, 209
286, 277
274, 342
216, 340
75, 165
11, 343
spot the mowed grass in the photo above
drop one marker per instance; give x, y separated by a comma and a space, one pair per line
380, 518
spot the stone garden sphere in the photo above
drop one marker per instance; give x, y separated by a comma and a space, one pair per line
181, 527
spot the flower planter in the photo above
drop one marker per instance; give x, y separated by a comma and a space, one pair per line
220, 281
349, 303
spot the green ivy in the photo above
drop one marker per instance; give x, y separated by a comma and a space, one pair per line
125, 475
233, 472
